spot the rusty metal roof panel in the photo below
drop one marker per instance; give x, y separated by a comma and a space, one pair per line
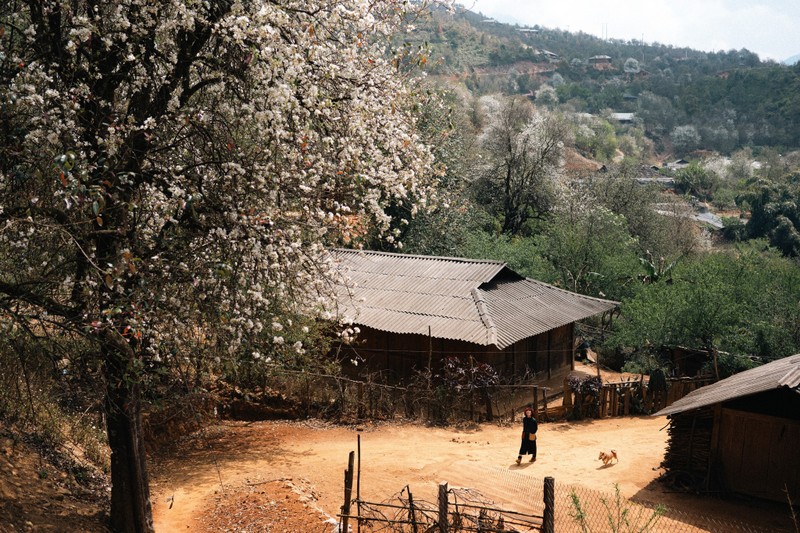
462, 308
414, 268
399, 283
483, 302
402, 322
781, 373
528, 307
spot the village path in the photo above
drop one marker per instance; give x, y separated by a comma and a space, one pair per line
393, 455
210, 475
310, 457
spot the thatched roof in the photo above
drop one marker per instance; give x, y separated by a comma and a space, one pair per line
477, 301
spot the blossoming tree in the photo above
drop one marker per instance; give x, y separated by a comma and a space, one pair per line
169, 167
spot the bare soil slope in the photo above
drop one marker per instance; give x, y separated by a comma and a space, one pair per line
36, 495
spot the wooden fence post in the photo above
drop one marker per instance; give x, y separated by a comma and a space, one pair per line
536, 401
603, 402
443, 527
358, 488
544, 402
348, 491
370, 394
614, 402
548, 522
627, 401
487, 400
411, 515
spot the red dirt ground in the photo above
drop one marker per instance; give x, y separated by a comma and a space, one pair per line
288, 476
280, 476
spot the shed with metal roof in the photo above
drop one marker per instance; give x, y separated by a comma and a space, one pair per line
740, 434
413, 311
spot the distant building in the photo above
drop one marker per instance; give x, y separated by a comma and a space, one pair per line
600, 62
624, 118
550, 56
677, 164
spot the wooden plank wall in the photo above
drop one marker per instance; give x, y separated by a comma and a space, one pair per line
758, 454
400, 354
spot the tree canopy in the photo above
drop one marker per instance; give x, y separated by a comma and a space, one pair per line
168, 166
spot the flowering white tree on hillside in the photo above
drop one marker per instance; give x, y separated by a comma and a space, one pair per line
524, 149
169, 165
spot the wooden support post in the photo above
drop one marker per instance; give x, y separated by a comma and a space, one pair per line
358, 487
567, 397
643, 392
614, 402
430, 355
549, 518
411, 515
544, 404
603, 396
535, 401
443, 526
348, 491
627, 401
370, 395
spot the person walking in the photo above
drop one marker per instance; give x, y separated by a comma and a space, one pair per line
529, 429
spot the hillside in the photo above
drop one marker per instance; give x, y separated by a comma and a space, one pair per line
41, 490
731, 97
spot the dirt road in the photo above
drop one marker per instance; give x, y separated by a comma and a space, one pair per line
308, 459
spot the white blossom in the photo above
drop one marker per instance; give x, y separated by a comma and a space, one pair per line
203, 198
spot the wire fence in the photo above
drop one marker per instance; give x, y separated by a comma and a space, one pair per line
509, 501
581, 509
373, 397
458, 510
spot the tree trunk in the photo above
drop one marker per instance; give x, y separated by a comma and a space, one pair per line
130, 491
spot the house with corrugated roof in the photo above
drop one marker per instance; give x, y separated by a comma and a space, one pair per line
413, 311
678, 164
550, 56
739, 435
624, 118
600, 62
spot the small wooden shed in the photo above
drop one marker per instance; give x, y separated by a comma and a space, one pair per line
741, 434
414, 311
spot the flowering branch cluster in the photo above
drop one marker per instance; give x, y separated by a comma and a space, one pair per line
168, 167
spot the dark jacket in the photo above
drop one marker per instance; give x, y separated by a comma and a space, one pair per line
529, 425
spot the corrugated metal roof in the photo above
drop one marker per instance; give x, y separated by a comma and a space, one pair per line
528, 307
781, 373
478, 301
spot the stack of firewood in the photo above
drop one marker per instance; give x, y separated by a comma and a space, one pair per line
689, 449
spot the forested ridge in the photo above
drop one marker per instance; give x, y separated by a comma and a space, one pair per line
542, 173
734, 98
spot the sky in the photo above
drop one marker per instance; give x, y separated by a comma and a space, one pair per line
770, 28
